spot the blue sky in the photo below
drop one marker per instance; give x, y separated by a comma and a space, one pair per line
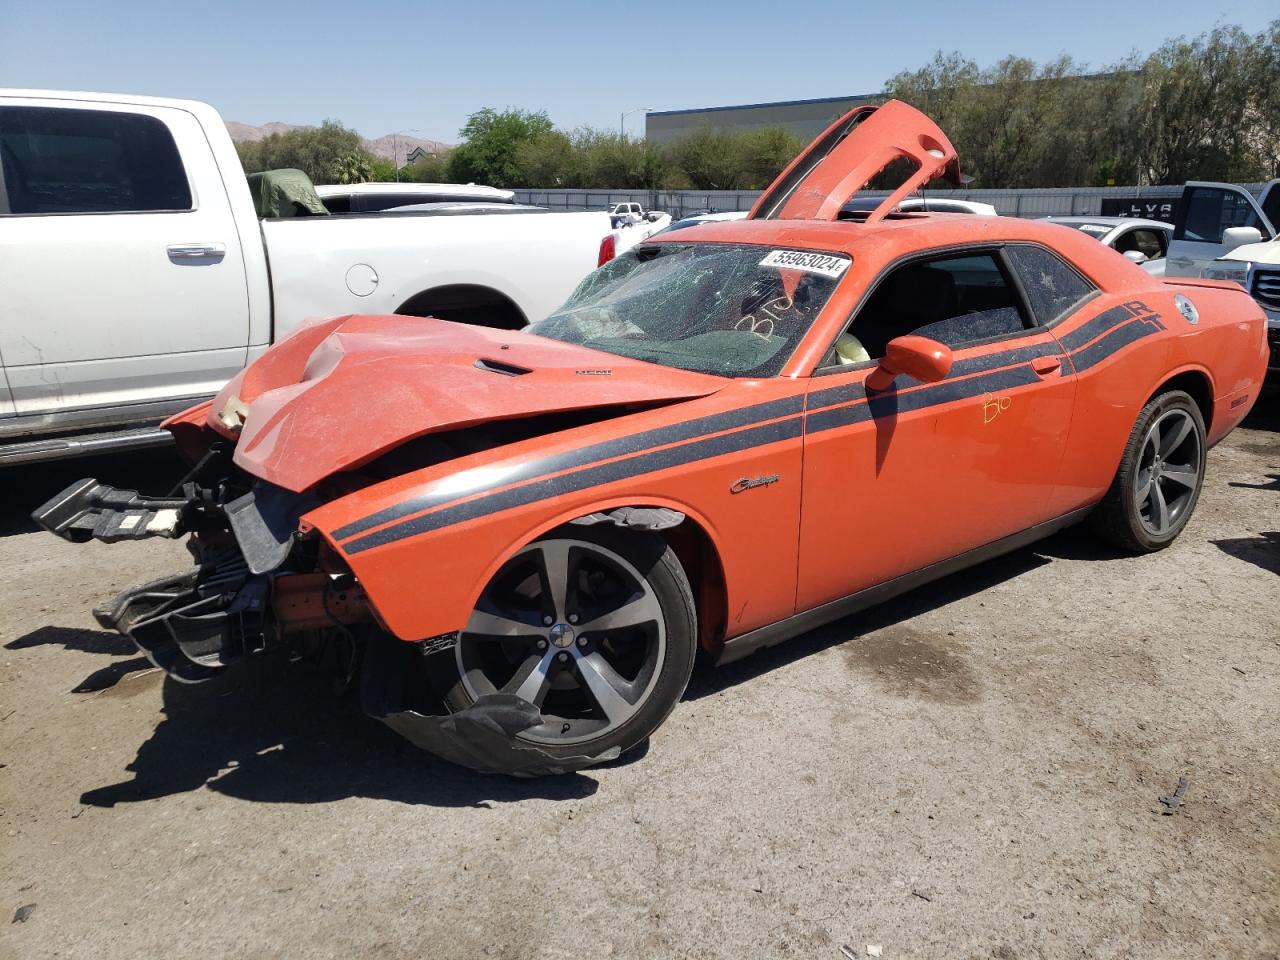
386, 65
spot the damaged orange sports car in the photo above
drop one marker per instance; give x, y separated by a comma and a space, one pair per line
516, 542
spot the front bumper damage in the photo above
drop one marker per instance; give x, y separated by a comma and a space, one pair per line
257, 587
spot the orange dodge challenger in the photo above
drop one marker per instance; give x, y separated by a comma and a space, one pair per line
724, 438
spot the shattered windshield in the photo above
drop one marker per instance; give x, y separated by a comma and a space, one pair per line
733, 310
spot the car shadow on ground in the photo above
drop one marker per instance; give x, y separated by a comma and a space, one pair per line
1074, 544
88, 641
1272, 482
1262, 551
152, 471
270, 732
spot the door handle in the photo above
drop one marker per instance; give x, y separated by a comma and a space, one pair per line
1044, 366
196, 251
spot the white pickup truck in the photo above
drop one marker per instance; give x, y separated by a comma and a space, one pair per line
136, 276
1223, 233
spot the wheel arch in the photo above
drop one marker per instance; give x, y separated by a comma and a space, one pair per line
472, 303
693, 540
1194, 381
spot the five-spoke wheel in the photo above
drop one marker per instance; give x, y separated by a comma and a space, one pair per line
1160, 475
1168, 475
594, 627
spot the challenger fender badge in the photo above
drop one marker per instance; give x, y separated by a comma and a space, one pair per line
749, 483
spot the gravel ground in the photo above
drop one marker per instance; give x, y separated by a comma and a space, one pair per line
969, 771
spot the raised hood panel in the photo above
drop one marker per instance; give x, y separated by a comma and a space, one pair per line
848, 154
339, 393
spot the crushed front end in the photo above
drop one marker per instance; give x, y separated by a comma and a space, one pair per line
259, 585
255, 584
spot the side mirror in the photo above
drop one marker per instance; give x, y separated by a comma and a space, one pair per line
1137, 256
918, 357
1233, 237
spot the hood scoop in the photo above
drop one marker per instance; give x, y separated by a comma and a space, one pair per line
498, 366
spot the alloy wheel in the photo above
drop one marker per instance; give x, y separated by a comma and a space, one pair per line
574, 628
1168, 474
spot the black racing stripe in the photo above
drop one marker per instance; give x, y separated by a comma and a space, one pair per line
1115, 340
549, 487
830, 396
1007, 358
848, 392
606, 450
890, 404
1099, 325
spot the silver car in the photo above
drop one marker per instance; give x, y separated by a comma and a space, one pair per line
1145, 242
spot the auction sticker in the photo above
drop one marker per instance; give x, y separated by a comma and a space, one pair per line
822, 263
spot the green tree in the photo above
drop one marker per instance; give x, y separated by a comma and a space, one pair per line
548, 160
764, 153
606, 159
709, 159
325, 153
1197, 106
491, 141
429, 169
381, 170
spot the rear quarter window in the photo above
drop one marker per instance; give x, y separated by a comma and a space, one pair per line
1054, 288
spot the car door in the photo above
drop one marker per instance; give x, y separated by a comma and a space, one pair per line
1206, 212
923, 472
122, 279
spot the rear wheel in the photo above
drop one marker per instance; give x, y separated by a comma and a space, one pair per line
1158, 483
595, 627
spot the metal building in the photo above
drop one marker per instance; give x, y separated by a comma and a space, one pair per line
804, 118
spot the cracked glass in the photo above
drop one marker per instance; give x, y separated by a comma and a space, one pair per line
733, 310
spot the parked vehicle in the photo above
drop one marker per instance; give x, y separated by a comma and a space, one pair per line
922, 204
1224, 233
628, 213
1216, 218
1145, 242
629, 231
138, 276
688, 454
372, 197
700, 218
860, 206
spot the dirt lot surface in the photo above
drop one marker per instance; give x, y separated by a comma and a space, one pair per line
970, 771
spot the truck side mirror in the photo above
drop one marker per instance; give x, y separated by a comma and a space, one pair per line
1137, 256
918, 357
1233, 237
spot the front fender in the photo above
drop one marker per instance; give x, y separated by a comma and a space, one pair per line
428, 585
425, 544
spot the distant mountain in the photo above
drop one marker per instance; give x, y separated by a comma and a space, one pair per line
403, 144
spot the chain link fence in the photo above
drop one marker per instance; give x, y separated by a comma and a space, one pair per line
1051, 202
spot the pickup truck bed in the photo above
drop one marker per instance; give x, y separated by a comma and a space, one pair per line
139, 277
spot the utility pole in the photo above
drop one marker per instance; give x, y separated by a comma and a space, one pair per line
622, 119
395, 148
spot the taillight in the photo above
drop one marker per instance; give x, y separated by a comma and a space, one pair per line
607, 251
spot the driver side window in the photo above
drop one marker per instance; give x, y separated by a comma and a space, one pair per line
957, 300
